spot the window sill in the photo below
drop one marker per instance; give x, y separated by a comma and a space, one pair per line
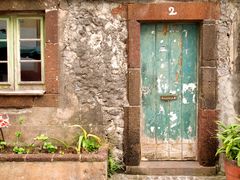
22, 93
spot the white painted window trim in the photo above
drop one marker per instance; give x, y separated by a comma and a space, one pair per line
14, 86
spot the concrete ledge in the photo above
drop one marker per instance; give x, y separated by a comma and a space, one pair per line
54, 166
68, 170
183, 168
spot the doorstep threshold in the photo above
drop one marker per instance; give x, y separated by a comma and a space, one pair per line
185, 168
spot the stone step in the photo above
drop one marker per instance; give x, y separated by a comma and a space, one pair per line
174, 168
146, 177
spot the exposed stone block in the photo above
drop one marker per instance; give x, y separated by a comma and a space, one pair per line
132, 142
51, 26
207, 141
51, 68
134, 81
208, 93
208, 74
134, 44
209, 44
210, 63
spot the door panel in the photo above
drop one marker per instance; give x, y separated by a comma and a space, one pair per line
169, 90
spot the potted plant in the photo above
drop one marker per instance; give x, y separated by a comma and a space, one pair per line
229, 137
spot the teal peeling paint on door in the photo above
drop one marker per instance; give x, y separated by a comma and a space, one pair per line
169, 54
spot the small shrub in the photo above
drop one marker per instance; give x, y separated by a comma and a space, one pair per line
86, 141
46, 144
49, 147
19, 150
113, 165
3, 144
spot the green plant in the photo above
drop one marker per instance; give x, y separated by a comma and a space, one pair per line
229, 136
41, 137
49, 147
113, 165
18, 134
19, 150
21, 120
3, 144
86, 141
46, 144
29, 148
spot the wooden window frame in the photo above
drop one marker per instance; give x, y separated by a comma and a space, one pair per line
50, 98
14, 86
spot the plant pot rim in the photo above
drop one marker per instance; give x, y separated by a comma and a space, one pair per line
226, 160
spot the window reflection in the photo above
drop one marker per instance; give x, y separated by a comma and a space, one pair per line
3, 72
3, 51
3, 31
30, 50
31, 71
29, 28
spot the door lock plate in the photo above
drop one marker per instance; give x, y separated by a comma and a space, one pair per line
168, 97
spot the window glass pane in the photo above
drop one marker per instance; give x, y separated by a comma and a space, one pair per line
29, 28
3, 51
30, 71
30, 50
3, 30
3, 72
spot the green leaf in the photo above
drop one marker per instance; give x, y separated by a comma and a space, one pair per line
49, 147
238, 158
18, 134
83, 130
237, 118
221, 125
41, 137
228, 139
19, 150
95, 137
3, 143
80, 140
220, 150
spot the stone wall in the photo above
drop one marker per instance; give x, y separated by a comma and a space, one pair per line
228, 61
94, 56
93, 70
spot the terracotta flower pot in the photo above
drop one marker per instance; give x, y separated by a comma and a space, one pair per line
231, 169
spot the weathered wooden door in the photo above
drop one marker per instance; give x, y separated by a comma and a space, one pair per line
169, 53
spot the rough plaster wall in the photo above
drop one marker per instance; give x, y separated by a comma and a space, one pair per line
228, 59
94, 56
95, 67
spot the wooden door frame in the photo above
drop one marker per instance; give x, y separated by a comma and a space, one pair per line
204, 13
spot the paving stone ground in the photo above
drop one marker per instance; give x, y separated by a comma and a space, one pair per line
145, 177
